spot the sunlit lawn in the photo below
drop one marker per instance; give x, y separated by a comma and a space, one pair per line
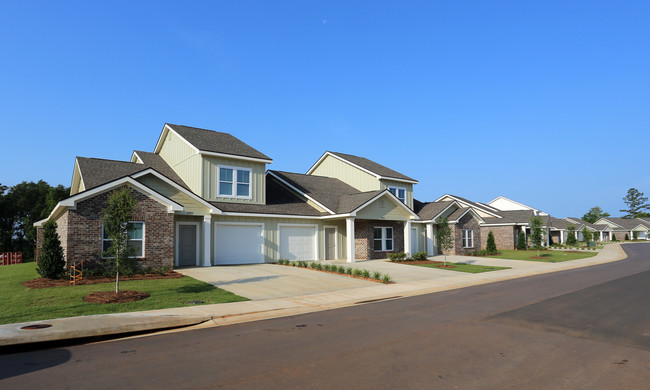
555, 256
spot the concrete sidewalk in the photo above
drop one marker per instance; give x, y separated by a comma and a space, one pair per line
237, 312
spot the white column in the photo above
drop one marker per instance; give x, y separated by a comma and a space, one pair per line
207, 240
349, 239
430, 239
407, 237
548, 237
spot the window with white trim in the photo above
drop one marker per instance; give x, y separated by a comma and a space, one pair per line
383, 238
399, 192
136, 239
468, 238
234, 182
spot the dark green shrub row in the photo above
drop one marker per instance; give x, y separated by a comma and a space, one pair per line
339, 269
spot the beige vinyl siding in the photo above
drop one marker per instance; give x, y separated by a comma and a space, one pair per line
384, 208
184, 160
271, 233
190, 206
407, 186
333, 167
420, 236
210, 175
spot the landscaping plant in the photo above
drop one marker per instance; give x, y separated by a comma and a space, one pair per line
536, 234
51, 263
521, 241
491, 246
445, 237
419, 256
571, 236
116, 217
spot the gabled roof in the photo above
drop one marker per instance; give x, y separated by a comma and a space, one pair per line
512, 217
431, 210
460, 213
468, 203
213, 143
156, 162
375, 169
627, 223
517, 205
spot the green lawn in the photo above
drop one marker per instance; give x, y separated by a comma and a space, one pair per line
21, 304
555, 256
461, 267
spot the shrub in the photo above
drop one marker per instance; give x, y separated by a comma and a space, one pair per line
51, 263
340, 269
521, 241
386, 279
613, 236
627, 237
571, 236
365, 273
356, 272
327, 267
491, 246
399, 256
376, 275
419, 256
348, 270
312, 265
293, 264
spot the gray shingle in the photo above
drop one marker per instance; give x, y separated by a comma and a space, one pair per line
372, 166
429, 210
97, 171
217, 142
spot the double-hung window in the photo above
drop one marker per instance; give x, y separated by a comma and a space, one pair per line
383, 238
399, 192
234, 182
468, 238
135, 241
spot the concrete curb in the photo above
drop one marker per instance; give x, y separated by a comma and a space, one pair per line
195, 317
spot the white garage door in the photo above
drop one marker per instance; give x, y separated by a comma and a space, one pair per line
298, 242
238, 244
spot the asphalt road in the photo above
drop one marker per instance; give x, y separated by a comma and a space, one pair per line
580, 329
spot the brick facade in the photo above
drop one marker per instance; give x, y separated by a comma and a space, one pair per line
505, 237
466, 222
364, 238
80, 230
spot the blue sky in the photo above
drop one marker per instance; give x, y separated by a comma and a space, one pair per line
547, 102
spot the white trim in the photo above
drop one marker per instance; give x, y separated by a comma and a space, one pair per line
144, 231
385, 192
163, 134
397, 192
377, 176
235, 171
526, 207
135, 157
235, 156
465, 240
453, 203
177, 242
349, 240
383, 239
299, 192
468, 204
469, 210
336, 241
216, 224
316, 241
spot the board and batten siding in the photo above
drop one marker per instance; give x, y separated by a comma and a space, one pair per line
271, 233
333, 167
190, 206
184, 160
384, 208
211, 174
385, 183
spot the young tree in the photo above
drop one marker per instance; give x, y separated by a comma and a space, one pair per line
445, 237
116, 217
627, 237
51, 262
571, 239
614, 237
521, 241
635, 202
536, 234
491, 246
586, 234
594, 214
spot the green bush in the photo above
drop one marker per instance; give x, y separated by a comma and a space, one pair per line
399, 256
521, 241
627, 237
327, 267
376, 275
366, 274
340, 269
491, 246
386, 279
51, 262
348, 270
419, 256
356, 272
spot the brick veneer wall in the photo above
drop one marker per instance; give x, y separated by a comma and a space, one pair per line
80, 230
364, 238
505, 237
467, 222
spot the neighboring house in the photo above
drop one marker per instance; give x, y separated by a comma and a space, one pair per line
638, 227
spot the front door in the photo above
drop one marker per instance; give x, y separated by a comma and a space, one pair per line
330, 244
187, 245
414, 240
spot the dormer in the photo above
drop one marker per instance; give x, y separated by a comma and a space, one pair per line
216, 166
364, 175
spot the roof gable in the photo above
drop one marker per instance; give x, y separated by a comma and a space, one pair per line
377, 170
468, 203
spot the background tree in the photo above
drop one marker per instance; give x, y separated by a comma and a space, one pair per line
635, 202
571, 239
594, 214
586, 234
521, 241
445, 237
51, 262
536, 234
116, 217
491, 246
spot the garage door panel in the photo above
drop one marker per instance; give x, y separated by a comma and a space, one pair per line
298, 242
239, 244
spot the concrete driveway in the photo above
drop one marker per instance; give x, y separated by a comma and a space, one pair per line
264, 281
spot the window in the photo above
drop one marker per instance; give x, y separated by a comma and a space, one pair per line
136, 239
383, 238
399, 192
234, 182
468, 238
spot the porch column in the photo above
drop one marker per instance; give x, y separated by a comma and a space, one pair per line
407, 237
207, 240
349, 239
430, 239
548, 237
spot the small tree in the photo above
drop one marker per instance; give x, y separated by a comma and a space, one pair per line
51, 262
586, 234
614, 237
627, 237
521, 241
536, 234
445, 237
491, 246
571, 239
116, 217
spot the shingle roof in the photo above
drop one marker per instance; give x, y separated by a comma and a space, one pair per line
487, 209
217, 142
332, 193
156, 162
429, 210
628, 223
456, 214
372, 166
512, 217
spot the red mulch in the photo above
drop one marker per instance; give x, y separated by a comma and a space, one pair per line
113, 297
539, 257
45, 283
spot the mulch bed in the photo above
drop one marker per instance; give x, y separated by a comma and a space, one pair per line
113, 297
45, 283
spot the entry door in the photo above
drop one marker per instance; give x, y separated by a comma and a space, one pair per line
330, 244
414, 240
187, 245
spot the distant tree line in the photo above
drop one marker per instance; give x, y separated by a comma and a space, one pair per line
22, 205
637, 207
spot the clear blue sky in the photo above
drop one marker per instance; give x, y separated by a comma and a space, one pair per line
545, 102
